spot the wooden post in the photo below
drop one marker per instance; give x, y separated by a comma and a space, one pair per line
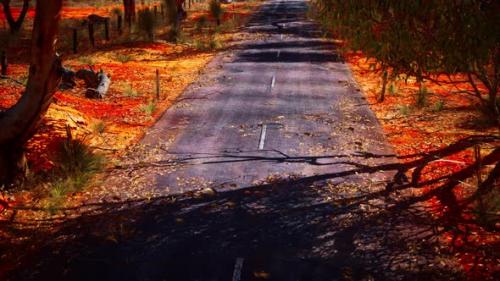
162, 10
119, 20
157, 84
156, 11
106, 29
75, 41
3, 63
91, 34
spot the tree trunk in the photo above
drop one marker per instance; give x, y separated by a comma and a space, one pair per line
15, 25
129, 10
20, 122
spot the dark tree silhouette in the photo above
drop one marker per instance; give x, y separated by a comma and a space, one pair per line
15, 25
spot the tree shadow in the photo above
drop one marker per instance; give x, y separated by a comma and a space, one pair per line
290, 228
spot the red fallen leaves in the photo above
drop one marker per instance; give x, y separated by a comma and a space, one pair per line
425, 130
98, 108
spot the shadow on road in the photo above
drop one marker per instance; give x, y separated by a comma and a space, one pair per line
293, 228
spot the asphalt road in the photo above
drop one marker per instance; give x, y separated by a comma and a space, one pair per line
283, 104
303, 179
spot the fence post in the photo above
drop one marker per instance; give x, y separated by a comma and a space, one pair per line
91, 34
157, 84
3, 63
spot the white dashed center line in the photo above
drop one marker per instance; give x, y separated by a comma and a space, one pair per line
237, 269
262, 137
273, 82
278, 54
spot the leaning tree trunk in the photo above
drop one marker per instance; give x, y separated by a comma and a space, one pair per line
19, 123
15, 25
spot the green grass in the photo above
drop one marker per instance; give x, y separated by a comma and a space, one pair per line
75, 165
404, 110
421, 99
129, 91
393, 89
200, 45
123, 58
149, 108
214, 44
438, 106
86, 60
99, 127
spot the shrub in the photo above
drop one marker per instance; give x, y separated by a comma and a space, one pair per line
214, 44
172, 19
147, 23
171, 12
216, 10
201, 23
200, 45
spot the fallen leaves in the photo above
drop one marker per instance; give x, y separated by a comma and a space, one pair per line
415, 131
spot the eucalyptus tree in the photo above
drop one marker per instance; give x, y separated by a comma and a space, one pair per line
19, 122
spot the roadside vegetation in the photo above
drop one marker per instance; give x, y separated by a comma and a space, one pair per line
149, 60
430, 73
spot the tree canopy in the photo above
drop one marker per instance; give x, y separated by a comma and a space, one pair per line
425, 38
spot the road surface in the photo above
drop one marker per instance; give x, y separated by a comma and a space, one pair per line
283, 105
294, 172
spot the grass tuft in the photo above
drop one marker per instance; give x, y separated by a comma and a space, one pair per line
149, 108
86, 60
123, 58
99, 127
438, 106
421, 99
129, 91
404, 109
